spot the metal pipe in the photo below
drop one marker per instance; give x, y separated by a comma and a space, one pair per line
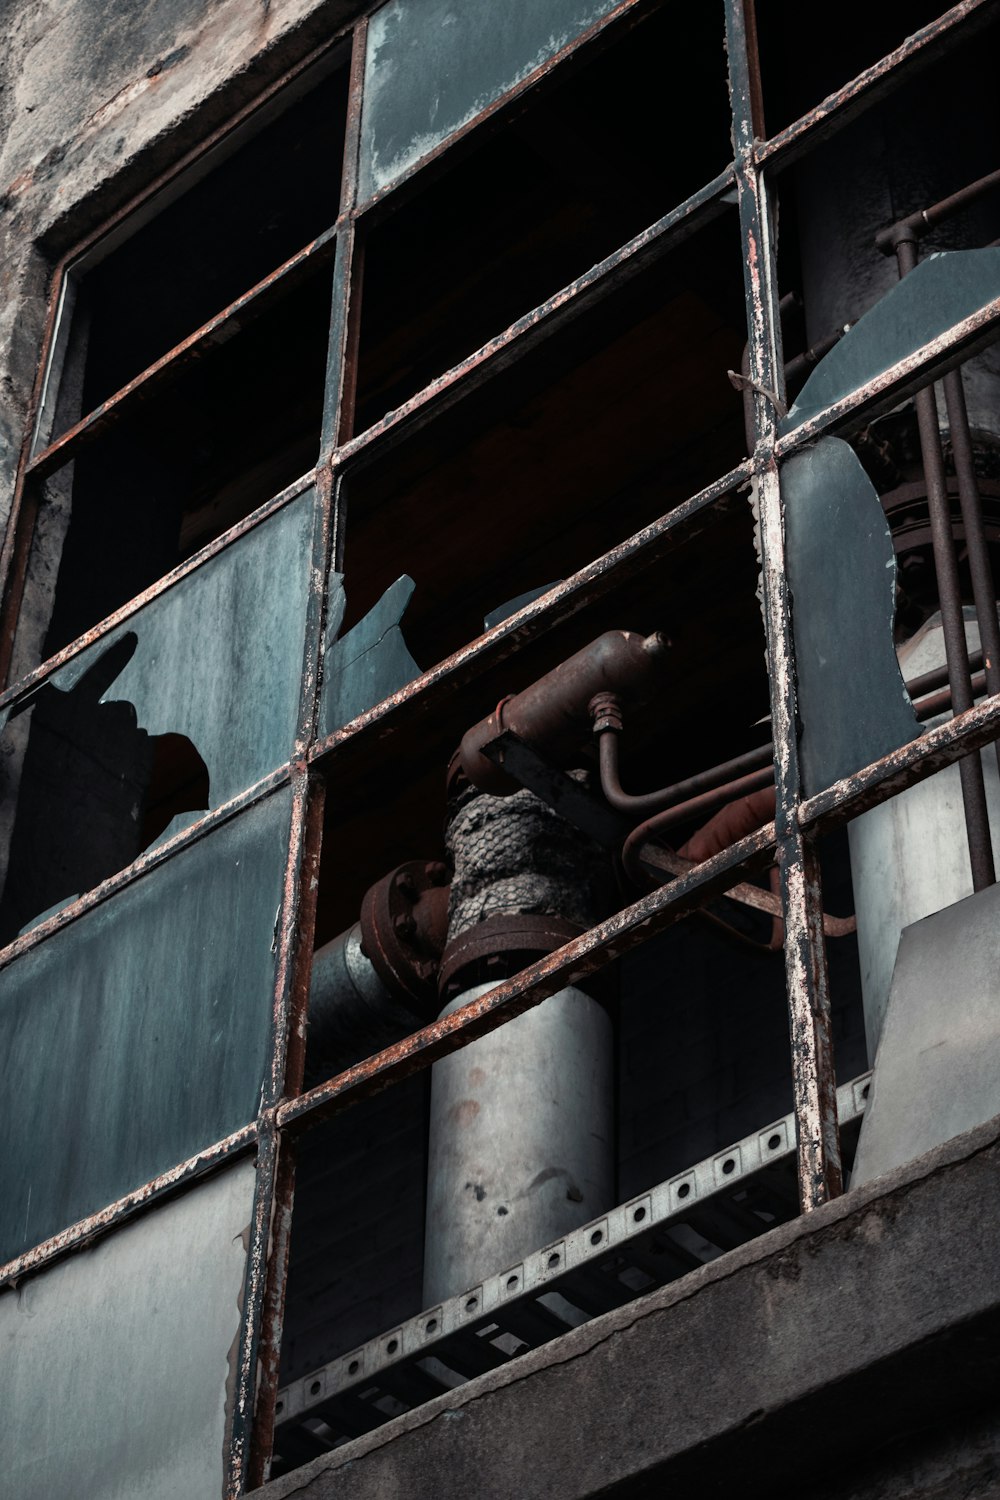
983, 587
927, 702
929, 682
521, 1144
650, 802
552, 714
915, 225
671, 817
940, 702
521, 1140
946, 570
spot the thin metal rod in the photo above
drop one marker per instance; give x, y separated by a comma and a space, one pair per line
952, 618
668, 796
695, 807
983, 586
916, 225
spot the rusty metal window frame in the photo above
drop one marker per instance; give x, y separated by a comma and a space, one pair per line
800, 822
791, 839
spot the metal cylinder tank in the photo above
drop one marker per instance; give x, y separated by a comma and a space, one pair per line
910, 856
521, 1140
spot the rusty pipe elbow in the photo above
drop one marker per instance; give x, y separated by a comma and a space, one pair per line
552, 714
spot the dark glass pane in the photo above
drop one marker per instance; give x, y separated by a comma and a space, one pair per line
231, 431
190, 702
798, 69
578, 169
432, 66
222, 235
152, 1317
139, 1034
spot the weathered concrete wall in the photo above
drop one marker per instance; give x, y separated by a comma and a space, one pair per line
786, 1368
97, 98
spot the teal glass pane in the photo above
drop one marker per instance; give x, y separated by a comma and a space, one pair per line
186, 704
943, 290
433, 65
219, 656
139, 1034
114, 1364
852, 701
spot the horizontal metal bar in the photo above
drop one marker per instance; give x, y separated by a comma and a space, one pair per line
869, 88
889, 387
570, 301
197, 345
632, 1235
513, 93
607, 941
618, 566
146, 862
45, 669
151, 1193
922, 757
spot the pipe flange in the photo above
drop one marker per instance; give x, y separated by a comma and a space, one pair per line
404, 926
485, 951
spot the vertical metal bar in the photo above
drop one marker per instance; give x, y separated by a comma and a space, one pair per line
814, 1087
952, 621
263, 1314
267, 1354
272, 1305
237, 1460
338, 409
980, 567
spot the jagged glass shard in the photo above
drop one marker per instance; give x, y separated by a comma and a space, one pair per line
432, 65
187, 703
152, 1317
853, 703
219, 656
943, 290
139, 1034
371, 661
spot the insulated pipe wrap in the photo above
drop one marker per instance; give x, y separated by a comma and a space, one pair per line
514, 855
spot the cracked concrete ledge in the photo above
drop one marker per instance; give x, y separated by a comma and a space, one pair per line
788, 1356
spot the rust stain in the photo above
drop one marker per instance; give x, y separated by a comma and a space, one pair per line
464, 1113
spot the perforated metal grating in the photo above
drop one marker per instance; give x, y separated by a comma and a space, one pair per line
694, 1217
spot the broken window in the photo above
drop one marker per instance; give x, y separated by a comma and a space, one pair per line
452, 428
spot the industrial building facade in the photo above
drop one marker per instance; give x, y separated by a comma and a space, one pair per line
422, 419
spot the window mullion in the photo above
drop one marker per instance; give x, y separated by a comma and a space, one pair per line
806, 978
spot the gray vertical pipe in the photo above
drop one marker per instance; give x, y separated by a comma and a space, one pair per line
983, 586
521, 1147
946, 569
